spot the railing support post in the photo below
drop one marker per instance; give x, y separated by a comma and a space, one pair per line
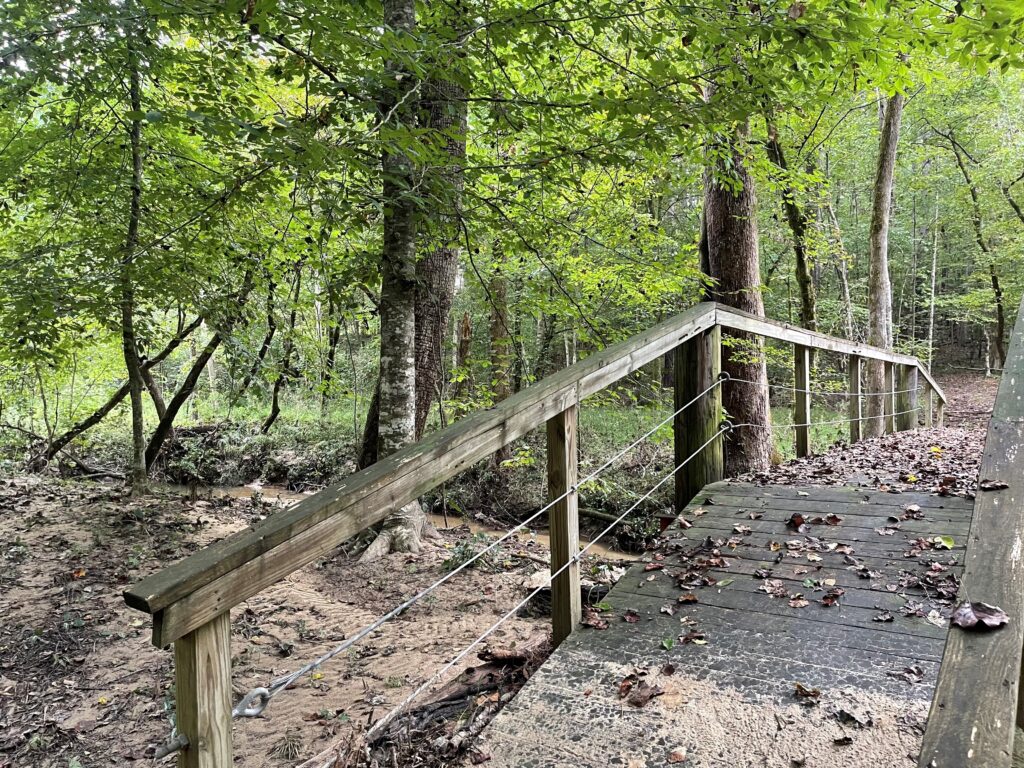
888, 398
564, 524
906, 400
202, 673
929, 405
802, 399
698, 363
855, 403
940, 413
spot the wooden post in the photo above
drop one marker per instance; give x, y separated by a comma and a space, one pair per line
888, 402
940, 413
564, 524
906, 400
202, 673
697, 365
802, 399
855, 401
928, 419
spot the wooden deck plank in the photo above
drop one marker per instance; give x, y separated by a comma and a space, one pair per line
847, 506
756, 647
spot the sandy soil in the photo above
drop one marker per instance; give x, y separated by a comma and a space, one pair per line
81, 686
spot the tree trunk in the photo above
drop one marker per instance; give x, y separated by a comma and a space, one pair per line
136, 475
286, 354
154, 391
333, 338
268, 339
796, 217
976, 219
166, 424
445, 108
842, 270
931, 298
545, 339
733, 258
58, 444
501, 338
879, 283
462, 349
397, 386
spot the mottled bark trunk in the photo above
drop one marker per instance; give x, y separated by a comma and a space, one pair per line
730, 224
445, 109
129, 344
545, 339
396, 412
879, 283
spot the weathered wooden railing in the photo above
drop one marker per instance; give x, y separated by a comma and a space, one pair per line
977, 700
190, 601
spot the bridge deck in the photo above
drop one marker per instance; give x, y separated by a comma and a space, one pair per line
725, 668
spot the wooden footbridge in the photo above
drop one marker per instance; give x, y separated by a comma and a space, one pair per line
774, 626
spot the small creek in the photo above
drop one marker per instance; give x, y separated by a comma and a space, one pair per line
285, 497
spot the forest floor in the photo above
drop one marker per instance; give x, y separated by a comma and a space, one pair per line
81, 686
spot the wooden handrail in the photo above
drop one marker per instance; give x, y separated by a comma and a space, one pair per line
190, 593
976, 701
736, 320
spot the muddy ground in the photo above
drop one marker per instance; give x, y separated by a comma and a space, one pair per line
81, 685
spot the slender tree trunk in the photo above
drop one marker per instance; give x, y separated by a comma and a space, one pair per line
931, 299
397, 386
154, 391
462, 350
58, 444
286, 355
436, 271
333, 339
545, 338
879, 283
501, 339
842, 268
166, 424
976, 219
368, 444
730, 219
268, 339
137, 466
797, 219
